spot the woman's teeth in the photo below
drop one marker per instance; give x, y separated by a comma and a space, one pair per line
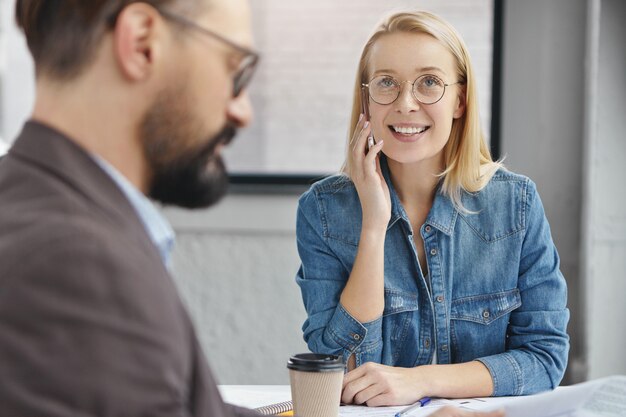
409, 130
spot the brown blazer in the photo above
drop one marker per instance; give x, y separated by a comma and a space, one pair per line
91, 323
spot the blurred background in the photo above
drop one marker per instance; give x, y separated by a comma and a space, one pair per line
552, 86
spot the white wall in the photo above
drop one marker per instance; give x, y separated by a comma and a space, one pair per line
235, 265
16, 75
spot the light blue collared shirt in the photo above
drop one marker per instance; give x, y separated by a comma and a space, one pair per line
158, 228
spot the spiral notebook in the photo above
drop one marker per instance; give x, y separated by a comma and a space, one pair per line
274, 409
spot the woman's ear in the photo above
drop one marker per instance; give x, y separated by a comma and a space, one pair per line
461, 101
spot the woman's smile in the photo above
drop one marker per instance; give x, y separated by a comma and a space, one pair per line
408, 132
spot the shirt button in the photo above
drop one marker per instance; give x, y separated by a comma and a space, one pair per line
356, 336
427, 343
486, 314
433, 251
444, 348
427, 229
439, 298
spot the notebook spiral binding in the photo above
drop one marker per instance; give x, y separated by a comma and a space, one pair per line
275, 408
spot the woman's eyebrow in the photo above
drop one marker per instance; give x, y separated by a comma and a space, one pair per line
417, 70
384, 71
426, 69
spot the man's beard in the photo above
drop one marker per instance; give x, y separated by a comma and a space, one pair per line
185, 177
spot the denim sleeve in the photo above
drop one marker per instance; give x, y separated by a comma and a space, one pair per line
537, 343
322, 276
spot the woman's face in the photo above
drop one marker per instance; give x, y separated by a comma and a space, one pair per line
412, 131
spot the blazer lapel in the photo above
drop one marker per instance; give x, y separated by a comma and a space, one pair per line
61, 157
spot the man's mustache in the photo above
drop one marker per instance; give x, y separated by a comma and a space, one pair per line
224, 137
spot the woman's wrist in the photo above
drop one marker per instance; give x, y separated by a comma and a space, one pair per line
373, 228
469, 379
427, 380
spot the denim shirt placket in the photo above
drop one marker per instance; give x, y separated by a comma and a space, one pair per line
437, 288
433, 295
427, 334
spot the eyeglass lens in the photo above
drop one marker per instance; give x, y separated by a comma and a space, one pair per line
244, 75
427, 89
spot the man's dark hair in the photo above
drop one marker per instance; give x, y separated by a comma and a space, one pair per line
63, 35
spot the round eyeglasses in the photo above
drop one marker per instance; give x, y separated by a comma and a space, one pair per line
427, 89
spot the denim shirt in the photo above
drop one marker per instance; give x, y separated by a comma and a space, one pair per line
495, 292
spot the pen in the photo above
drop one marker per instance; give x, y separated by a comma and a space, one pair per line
418, 404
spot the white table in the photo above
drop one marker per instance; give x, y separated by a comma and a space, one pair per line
580, 400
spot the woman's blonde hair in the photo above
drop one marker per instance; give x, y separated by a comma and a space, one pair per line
468, 162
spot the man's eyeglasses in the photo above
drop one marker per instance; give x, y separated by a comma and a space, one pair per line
427, 89
244, 73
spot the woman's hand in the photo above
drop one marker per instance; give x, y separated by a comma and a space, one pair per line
368, 179
376, 385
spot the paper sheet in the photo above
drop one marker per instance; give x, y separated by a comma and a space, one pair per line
599, 398
362, 411
252, 396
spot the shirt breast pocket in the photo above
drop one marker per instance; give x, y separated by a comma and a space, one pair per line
400, 322
478, 324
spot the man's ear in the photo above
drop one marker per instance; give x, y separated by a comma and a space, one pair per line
135, 40
460, 102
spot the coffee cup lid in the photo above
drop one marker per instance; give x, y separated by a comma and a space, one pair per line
315, 362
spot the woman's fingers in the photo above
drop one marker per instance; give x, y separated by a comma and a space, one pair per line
352, 389
353, 375
365, 396
358, 148
357, 129
370, 158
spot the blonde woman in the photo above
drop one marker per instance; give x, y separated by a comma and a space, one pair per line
425, 264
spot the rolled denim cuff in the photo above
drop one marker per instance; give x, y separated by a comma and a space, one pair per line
506, 374
353, 335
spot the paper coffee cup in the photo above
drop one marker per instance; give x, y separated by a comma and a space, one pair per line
316, 381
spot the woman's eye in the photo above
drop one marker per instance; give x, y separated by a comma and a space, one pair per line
386, 82
431, 82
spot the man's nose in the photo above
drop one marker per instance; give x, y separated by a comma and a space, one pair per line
240, 111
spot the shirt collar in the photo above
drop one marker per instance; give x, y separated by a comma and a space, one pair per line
442, 214
157, 227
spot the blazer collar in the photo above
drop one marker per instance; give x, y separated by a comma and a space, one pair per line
55, 153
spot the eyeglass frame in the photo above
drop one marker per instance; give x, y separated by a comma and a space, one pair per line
248, 63
366, 86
